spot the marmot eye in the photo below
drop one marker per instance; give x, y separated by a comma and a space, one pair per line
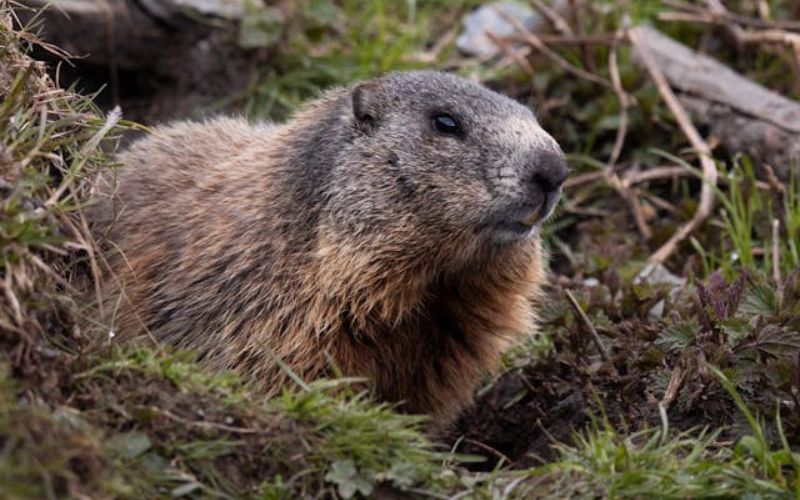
446, 124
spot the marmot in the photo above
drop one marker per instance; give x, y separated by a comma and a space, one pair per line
388, 231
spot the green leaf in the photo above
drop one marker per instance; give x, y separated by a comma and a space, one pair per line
778, 341
749, 445
679, 335
341, 470
345, 476
760, 299
735, 328
402, 474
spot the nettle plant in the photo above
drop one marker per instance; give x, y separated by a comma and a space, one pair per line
749, 328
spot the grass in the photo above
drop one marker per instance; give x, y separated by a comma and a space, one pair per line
748, 210
78, 420
605, 463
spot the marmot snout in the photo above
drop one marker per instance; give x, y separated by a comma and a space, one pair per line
390, 228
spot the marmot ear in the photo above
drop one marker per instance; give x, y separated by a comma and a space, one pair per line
365, 104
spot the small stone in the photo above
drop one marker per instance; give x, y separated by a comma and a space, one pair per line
473, 41
657, 274
591, 282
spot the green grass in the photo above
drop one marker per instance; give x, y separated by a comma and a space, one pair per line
605, 463
747, 210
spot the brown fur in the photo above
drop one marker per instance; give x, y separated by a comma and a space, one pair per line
329, 239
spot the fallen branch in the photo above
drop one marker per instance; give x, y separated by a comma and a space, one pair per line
745, 116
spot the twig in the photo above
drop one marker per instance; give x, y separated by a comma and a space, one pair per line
622, 130
587, 211
619, 142
624, 102
763, 10
576, 9
537, 44
731, 17
205, 424
675, 383
770, 35
584, 178
660, 202
555, 19
431, 55
633, 202
488, 448
778, 190
709, 169
518, 56
657, 173
588, 323
576, 39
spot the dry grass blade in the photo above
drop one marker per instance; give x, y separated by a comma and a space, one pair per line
111, 121
53, 142
573, 302
623, 188
624, 101
676, 380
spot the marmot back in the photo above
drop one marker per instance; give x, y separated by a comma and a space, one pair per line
391, 228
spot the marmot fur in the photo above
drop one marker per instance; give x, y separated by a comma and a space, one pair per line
389, 230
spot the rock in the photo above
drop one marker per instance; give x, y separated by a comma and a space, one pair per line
473, 41
167, 9
657, 274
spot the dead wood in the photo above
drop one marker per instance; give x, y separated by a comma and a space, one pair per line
745, 116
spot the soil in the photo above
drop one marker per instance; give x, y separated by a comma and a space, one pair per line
562, 395
154, 70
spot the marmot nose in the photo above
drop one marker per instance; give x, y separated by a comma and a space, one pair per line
549, 170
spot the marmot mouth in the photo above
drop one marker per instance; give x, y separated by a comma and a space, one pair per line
516, 228
534, 216
518, 222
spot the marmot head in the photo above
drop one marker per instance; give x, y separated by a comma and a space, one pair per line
432, 160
